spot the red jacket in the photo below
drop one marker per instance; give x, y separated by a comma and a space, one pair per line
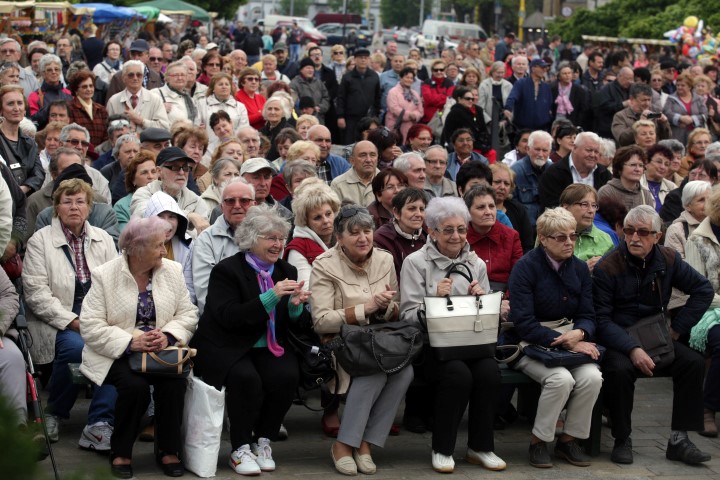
254, 108
500, 249
434, 96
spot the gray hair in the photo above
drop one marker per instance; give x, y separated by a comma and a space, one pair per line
283, 104
675, 146
434, 147
351, 217
442, 208
65, 132
179, 64
402, 163
712, 149
3, 41
497, 66
132, 63
584, 137
123, 139
232, 180
516, 58
644, 214
47, 59
220, 165
608, 148
563, 64
298, 166
692, 189
260, 220
539, 135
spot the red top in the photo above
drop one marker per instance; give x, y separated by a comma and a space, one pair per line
500, 249
254, 108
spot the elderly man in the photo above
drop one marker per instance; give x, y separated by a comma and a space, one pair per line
139, 50
284, 65
355, 185
358, 95
218, 242
196, 90
530, 102
155, 139
10, 52
436, 182
612, 98
124, 151
330, 165
174, 167
118, 125
78, 138
259, 173
639, 108
634, 281
581, 166
251, 139
413, 166
142, 107
519, 65
238, 59
528, 171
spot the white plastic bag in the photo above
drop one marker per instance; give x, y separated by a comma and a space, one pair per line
202, 427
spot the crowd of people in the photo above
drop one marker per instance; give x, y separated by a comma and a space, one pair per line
163, 192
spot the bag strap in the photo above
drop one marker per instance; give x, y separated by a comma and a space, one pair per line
402, 365
456, 268
184, 355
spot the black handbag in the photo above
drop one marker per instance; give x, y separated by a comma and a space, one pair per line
653, 335
559, 357
380, 348
314, 359
170, 362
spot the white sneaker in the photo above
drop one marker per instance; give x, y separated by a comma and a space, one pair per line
443, 463
487, 459
263, 454
52, 424
96, 437
243, 461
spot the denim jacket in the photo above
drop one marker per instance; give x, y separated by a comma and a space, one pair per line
527, 190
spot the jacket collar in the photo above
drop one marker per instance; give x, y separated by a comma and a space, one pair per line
705, 230
432, 254
58, 237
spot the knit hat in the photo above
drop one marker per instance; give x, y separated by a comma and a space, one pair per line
306, 102
73, 171
306, 62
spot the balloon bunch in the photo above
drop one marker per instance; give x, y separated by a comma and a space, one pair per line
697, 41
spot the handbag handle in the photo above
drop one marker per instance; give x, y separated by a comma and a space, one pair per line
404, 362
186, 357
455, 268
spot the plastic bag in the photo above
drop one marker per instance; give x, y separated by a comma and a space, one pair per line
202, 427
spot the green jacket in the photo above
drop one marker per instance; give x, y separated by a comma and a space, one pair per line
592, 243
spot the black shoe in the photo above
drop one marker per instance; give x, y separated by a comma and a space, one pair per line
687, 452
622, 452
413, 423
539, 456
121, 471
170, 469
572, 452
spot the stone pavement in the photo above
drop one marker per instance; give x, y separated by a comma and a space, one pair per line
306, 454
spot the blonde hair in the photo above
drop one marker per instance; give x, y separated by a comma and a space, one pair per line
300, 147
312, 120
313, 193
554, 220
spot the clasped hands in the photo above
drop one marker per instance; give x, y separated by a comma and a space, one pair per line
292, 288
152, 341
573, 341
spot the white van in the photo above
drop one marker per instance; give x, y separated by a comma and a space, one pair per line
271, 21
452, 30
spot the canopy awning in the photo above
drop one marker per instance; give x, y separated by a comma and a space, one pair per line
10, 7
105, 13
177, 7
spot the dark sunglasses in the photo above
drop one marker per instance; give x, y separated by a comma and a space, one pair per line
232, 201
185, 167
562, 238
438, 69
155, 59
630, 231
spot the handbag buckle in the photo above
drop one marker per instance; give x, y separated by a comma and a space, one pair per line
478, 327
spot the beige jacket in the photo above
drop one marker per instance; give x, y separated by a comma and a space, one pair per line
150, 106
110, 309
340, 290
349, 188
188, 201
49, 282
702, 252
666, 186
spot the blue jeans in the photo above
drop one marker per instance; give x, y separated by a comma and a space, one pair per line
63, 393
295, 52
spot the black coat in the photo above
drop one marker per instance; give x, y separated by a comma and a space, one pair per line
517, 213
606, 103
581, 115
234, 318
558, 176
461, 117
358, 95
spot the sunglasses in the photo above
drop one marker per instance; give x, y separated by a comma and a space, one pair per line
562, 238
252, 79
185, 167
134, 75
438, 69
468, 98
75, 142
209, 64
119, 123
642, 232
156, 59
244, 202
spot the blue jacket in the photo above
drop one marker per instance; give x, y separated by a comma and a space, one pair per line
623, 293
538, 293
529, 112
337, 164
453, 166
527, 187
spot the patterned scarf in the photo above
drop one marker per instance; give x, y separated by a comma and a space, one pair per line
264, 274
408, 95
189, 105
564, 107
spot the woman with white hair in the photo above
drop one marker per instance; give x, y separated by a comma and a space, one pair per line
276, 114
494, 89
694, 197
50, 90
221, 170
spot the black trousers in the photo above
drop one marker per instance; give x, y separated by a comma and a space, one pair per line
259, 390
133, 398
687, 372
457, 383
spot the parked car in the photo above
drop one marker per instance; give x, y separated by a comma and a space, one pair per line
334, 33
309, 34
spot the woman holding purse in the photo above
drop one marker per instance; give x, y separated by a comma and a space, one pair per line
404, 105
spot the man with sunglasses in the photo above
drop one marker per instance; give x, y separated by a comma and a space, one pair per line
142, 107
78, 138
139, 50
633, 281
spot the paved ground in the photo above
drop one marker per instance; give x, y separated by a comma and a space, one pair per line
306, 453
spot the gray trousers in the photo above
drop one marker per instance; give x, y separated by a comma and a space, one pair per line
577, 386
12, 379
371, 405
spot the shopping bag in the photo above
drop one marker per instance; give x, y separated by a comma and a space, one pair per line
202, 427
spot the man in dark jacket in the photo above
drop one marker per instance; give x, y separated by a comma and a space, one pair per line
530, 102
358, 95
633, 281
581, 166
612, 98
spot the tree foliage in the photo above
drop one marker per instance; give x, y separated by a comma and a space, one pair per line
300, 7
353, 6
636, 18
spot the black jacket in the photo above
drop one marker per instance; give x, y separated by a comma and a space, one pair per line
606, 103
461, 117
558, 176
31, 172
518, 215
581, 115
358, 95
19, 218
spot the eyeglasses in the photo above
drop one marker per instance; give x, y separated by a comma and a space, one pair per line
75, 142
642, 232
469, 98
395, 188
7, 51
449, 231
562, 238
244, 202
438, 69
70, 203
586, 205
436, 162
156, 59
351, 212
134, 74
635, 165
273, 239
209, 64
52, 70
88, 86
252, 79
185, 167
665, 163
337, 53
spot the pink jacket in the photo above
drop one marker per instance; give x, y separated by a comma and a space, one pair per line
396, 103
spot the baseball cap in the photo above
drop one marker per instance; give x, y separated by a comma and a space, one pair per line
279, 46
210, 46
172, 154
139, 45
538, 62
255, 165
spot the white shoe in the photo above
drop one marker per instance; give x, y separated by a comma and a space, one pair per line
443, 463
52, 424
487, 459
243, 461
263, 454
96, 437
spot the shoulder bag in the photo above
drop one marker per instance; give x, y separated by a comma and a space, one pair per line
169, 362
559, 357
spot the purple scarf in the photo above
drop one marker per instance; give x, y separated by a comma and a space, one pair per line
264, 274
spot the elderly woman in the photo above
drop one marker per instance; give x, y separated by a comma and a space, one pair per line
303, 124
249, 95
138, 303
564, 142
9, 74
644, 133
697, 141
276, 114
252, 298
140, 171
705, 88
456, 383
570, 99
684, 109
50, 90
112, 61
385, 186
404, 105
466, 114
84, 111
219, 96
231, 148
628, 168
22, 159
550, 283
694, 201
211, 65
489, 93
703, 254
656, 169
503, 182
582, 202
307, 84
436, 90
419, 138
194, 142
224, 168
270, 73
494, 243
300, 150
352, 283
56, 278
179, 104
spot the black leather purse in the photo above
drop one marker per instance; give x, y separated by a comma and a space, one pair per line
653, 335
170, 362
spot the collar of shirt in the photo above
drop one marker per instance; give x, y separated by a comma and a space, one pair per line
577, 178
71, 237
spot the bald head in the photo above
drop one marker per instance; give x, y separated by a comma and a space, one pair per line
320, 136
364, 159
